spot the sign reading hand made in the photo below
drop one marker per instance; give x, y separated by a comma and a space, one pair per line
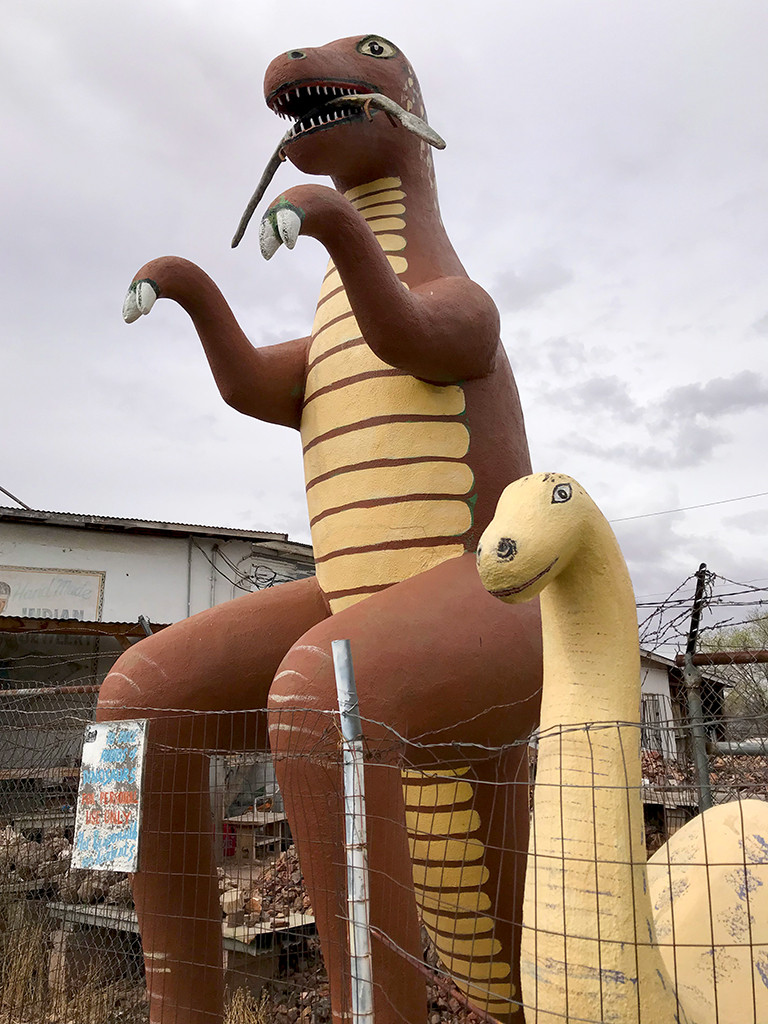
109, 797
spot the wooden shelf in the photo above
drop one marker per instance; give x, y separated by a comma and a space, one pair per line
239, 939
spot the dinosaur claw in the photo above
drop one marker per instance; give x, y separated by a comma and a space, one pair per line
269, 241
139, 300
146, 294
131, 311
288, 225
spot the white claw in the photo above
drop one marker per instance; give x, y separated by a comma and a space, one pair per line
139, 300
269, 243
145, 297
288, 226
131, 311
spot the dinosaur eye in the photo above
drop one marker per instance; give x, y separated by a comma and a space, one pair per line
296, 54
375, 46
506, 549
561, 493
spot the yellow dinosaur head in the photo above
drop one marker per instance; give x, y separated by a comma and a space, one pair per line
537, 528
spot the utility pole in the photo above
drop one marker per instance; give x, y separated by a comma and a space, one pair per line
692, 679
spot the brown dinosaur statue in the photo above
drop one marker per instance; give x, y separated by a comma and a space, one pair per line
411, 425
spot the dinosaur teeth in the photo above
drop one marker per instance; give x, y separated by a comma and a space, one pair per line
315, 105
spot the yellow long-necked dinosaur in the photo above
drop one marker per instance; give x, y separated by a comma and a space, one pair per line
589, 949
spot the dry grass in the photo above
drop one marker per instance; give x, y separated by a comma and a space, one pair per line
25, 997
23, 960
122, 1001
245, 1008
24, 994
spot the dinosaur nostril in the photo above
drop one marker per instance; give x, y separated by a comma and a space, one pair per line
506, 549
296, 54
479, 550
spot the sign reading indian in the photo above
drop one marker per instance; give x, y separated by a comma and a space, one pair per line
51, 593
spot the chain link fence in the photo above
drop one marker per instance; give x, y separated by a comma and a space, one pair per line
70, 947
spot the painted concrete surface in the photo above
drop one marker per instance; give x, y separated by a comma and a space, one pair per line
709, 890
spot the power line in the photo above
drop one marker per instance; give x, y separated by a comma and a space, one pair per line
688, 508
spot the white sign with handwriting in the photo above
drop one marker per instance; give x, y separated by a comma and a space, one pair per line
108, 822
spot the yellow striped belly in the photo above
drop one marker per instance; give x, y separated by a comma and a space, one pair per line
449, 879
388, 487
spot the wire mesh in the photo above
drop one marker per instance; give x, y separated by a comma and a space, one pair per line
72, 947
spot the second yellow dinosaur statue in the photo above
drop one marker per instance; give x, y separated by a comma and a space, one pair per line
589, 948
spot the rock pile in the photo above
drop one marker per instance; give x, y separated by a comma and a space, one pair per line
47, 864
276, 894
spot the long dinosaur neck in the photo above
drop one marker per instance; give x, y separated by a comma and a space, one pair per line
588, 947
592, 669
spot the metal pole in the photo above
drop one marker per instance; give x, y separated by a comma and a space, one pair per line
692, 678
757, 747
355, 846
18, 500
50, 691
749, 657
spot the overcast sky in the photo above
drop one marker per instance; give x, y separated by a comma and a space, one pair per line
605, 179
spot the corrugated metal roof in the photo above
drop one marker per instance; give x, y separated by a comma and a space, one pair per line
91, 522
78, 627
667, 663
655, 656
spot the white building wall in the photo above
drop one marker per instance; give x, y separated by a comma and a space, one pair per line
658, 702
162, 578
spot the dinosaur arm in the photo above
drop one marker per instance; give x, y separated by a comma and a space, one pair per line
266, 383
442, 330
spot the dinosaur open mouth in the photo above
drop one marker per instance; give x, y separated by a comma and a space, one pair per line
313, 105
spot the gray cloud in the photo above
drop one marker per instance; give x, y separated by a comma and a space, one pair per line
566, 355
597, 395
685, 425
718, 397
526, 287
698, 448
761, 325
754, 522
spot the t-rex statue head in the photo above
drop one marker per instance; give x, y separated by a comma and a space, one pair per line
349, 102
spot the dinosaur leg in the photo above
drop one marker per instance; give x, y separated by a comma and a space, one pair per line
445, 674
307, 767
220, 661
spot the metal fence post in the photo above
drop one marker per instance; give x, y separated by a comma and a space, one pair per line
692, 678
355, 836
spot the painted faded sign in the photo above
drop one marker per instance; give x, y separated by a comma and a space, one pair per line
109, 798
51, 593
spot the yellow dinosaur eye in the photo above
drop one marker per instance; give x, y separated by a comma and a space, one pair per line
376, 46
561, 493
